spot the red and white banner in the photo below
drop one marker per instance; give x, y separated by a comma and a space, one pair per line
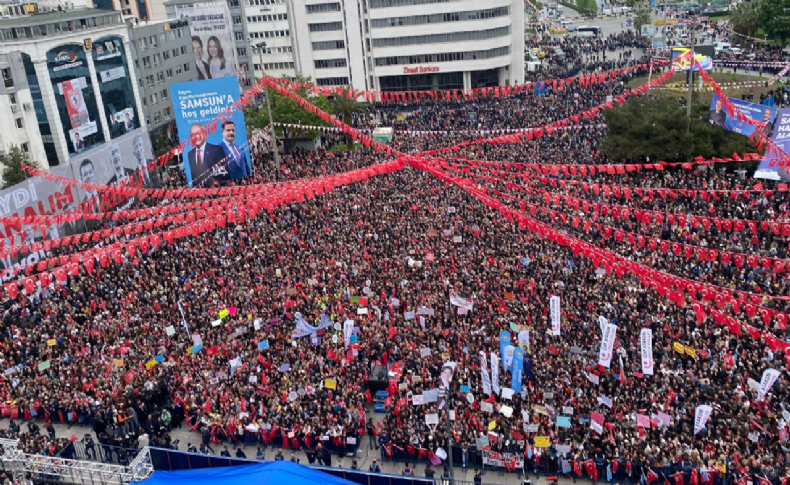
75, 102
461, 302
607, 345
503, 460
646, 340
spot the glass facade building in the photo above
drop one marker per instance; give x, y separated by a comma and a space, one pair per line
115, 85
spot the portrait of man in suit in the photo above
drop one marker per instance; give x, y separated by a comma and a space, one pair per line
204, 160
237, 160
88, 176
78, 143
768, 129
717, 116
139, 155
202, 66
128, 122
121, 172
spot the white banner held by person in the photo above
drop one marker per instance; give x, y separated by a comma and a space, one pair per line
554, 304
461, 302
493, 458
769, 377
485, 376
607, 345
646, 340
701, 417
495, 373
348, 329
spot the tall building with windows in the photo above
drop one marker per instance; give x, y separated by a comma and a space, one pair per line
162, 55
71, 76
396, 45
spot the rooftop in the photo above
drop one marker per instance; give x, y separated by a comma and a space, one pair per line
53, 17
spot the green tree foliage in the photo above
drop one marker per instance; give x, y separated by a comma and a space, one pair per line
344, 108
641, 18
745, 17
656, 130
286, 110
774, 17
587, 5
162, 144
12, 166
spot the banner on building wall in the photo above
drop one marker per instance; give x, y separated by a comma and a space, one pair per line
114, 163
212, 39
755, 112
223, 155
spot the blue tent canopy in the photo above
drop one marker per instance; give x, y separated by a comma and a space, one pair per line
272, 472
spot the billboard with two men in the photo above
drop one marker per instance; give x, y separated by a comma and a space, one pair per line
757, 112
220, 156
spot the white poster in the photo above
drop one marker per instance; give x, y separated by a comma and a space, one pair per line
701, 417
523, 337
485, 376
554, 304
348, 328
509, 356
646, 340
769, 377
461, 302
112, 74
607, 345
495, 373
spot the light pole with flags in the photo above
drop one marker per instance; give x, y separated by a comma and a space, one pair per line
261, 46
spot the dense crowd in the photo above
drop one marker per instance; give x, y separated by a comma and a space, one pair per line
201, 331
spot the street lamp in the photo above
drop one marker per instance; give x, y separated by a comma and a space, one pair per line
261, 46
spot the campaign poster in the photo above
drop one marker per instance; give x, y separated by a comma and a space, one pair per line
219, 156
212, 39
756, 112
772, 167
114, 163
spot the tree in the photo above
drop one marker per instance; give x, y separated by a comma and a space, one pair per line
643, 128
162, 143
774, 17
345, 108
744, 18
287, 111
641, 18
12, 166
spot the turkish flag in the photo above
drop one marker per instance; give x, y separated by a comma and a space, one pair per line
74, 269
44, 278
678, 477
591, 469
60, 275
89, 264
29, 284
651, 476
12, 289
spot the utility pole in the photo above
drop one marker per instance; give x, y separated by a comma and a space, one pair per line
691, 77
273, 136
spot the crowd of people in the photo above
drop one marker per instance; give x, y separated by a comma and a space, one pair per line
241, 334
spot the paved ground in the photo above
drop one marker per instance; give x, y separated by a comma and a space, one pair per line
364, 457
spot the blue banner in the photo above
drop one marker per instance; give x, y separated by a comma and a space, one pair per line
219, 156
758, 112
769, 168
518, 368
504, 341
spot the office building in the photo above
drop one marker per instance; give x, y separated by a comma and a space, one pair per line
394, 45
162, 53
73, 69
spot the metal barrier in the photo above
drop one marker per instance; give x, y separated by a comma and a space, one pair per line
77, 450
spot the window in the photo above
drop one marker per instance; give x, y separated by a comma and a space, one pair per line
143, 44
166, 55
157, 59
12, 98
440, 38
154, 99
160, 77
167, 113
169, 73
18, 123
157, 118
183, 50
240, 35
242, 51
186, 67
163, 94
42, 29
332, 81
329, 63
25, 147
236, 19
326, 26
329, 45
152, 41
149, 80
441, 18
178, 69
444, 57
147, 62
323, 7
